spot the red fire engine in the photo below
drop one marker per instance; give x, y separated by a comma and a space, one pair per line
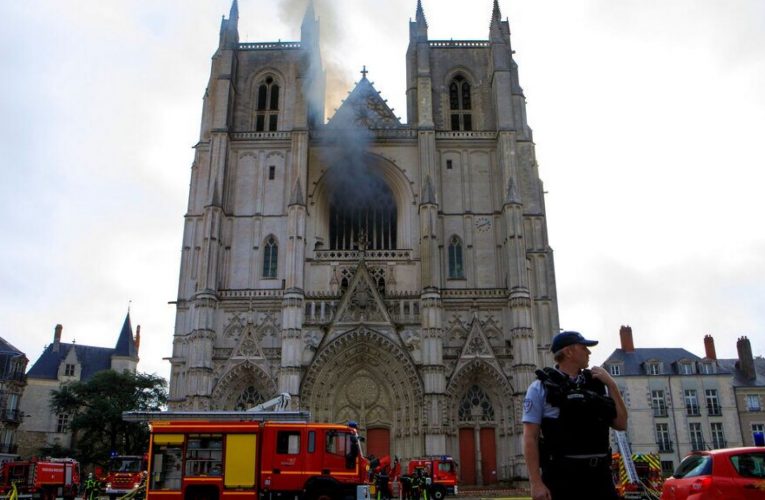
236, 454
43, 478
123, 474
442, 472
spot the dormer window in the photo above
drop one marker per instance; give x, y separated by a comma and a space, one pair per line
653, 368
685, 368
69, 370
615, 369
708, 368
268, 105
459, 104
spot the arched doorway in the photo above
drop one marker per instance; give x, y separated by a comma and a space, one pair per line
477, 440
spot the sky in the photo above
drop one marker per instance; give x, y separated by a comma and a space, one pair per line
646, 117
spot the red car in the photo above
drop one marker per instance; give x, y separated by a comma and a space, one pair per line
728, 473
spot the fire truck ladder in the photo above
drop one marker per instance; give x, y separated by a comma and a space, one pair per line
624, 450
272, 410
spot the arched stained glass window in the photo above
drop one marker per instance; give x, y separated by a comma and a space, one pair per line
267, 112
270, 257
456, 269
475, 403
460, 104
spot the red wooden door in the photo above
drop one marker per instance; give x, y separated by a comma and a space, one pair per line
488, 456
467, 456
378, 442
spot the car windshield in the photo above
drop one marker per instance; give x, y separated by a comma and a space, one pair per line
750, 464
694, 465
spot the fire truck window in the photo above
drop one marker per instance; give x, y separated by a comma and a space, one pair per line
445, 467
288, 442
311, 441
166, 468
338, 443
203, 455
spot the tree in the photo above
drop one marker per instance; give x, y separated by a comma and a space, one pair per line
96, 407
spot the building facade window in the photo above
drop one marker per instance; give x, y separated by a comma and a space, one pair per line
267, 113
686, 369
713, 402
456, 269
62, 422
667, 468
662, 438
753, 402
362, 211
658, 403
69, 370
615, 369
697, 437
460, 104
718, 437
707, 368
653, 369
691, 402
270, 258
757, 428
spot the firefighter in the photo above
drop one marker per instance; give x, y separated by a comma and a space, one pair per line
92, 487
567, 414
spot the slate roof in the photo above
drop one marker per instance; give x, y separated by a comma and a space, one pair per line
738, 377
7, 348
633, 363
92, 359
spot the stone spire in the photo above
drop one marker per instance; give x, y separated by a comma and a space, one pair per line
420, 16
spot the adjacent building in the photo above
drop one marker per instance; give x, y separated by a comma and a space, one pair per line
395, 274
13, 364
59, 364
749, 389
677, 401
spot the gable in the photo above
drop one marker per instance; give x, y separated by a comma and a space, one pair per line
364, 108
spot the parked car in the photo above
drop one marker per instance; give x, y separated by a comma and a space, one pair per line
729, 474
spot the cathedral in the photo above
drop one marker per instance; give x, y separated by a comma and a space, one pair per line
394, 274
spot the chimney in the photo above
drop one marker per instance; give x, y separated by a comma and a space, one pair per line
57, 337
137, 339
625, 333
745, 359
709, 347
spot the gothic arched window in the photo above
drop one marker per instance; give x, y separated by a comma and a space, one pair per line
474, 404
459, 104
248, 398
456, 269
268, 105
362, 212
270, 257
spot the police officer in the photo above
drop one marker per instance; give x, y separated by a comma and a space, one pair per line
567, 414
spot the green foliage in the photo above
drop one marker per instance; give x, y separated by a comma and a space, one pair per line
96, 408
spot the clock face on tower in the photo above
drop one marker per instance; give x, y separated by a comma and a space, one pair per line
482, 224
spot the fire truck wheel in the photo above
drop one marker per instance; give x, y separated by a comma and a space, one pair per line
322, 495
438, 493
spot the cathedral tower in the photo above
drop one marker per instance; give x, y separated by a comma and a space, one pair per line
396, 274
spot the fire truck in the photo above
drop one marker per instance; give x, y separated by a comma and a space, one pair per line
123, 474
42, 478
228, 455
648, 470
442, 472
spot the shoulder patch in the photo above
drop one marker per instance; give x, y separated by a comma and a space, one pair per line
527, 405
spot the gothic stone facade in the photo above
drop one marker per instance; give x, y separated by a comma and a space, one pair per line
398, 275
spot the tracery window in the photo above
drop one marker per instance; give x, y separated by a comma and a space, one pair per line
456, 269
459, 104
475, 401
362, 213
248, 398
270, 257
267, 112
